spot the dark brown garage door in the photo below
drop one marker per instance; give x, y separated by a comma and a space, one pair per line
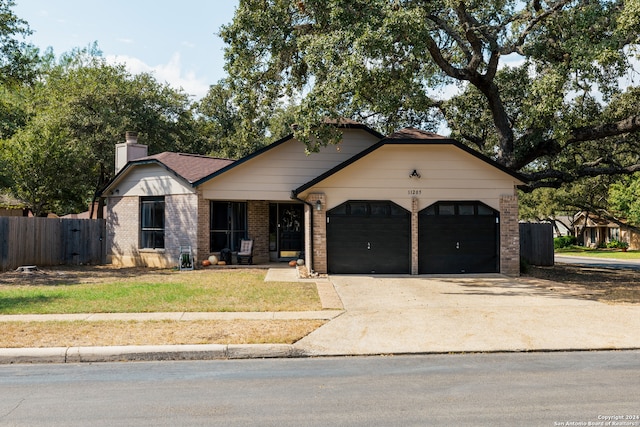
458, 237
365, 237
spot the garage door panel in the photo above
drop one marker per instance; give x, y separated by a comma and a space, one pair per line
458, 243
368, 243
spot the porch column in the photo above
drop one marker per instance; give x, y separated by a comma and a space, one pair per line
317, 261
509, 235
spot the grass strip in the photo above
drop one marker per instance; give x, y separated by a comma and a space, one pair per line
110, 333
600, 253
234, 291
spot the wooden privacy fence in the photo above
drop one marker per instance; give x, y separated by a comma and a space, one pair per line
536, 243
51, 241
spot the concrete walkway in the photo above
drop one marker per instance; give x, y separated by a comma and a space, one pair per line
396, 315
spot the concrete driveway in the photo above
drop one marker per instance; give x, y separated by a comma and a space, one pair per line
422, 314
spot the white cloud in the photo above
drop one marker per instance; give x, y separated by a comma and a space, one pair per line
171, 73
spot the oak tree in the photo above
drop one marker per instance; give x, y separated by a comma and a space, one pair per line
536, 85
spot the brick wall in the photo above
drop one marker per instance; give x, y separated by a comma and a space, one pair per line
319, 234
509, 236
414, 236
180, 226
204, 212
123, 231
258, 229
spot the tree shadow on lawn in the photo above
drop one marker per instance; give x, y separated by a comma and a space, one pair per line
71, 275
16, 305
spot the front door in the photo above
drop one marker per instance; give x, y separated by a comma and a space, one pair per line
286, 231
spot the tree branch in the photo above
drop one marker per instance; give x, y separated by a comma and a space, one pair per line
442, 24
630, 124
469, 24
552, 178
516, 46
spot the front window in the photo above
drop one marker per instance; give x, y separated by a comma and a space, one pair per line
228, 225
152, 222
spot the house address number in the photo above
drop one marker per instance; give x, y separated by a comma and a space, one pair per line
414, 192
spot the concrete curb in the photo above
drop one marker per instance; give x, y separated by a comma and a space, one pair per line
147, 353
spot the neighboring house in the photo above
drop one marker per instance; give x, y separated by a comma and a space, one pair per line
412, 203
88, 214
10, 206
593, 231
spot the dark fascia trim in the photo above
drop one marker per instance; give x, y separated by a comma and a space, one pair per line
394, 141
274, 145
134, 163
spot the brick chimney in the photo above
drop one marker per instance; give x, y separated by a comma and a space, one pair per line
129, 150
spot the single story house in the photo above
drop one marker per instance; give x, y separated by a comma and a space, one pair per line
594, 231
410, 203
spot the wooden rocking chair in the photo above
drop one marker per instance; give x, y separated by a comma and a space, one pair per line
246, 251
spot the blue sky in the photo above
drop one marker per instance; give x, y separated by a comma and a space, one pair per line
176, 41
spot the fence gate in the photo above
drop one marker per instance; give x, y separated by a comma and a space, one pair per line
51, 241
536, 243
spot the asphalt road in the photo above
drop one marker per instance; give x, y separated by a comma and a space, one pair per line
512, 389
599, 262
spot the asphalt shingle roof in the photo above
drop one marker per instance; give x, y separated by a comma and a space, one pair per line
191, 167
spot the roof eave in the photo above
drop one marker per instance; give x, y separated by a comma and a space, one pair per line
413, 141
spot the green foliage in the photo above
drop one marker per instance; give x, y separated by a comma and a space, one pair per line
76, 114
46, 171
17, 58
624, 199
227, 130
564, 242
617, 244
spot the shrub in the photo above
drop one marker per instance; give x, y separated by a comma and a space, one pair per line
617, 244
564, 242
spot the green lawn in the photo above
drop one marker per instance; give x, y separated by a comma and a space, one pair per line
598, 253
164, 291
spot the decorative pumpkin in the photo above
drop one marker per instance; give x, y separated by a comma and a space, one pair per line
206, 263
300, 261
213, 259
222, 263
292, 263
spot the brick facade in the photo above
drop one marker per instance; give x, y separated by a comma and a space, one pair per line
509, 236
204, 213
123, 215
415, 262
258, 229
319, 232
181, 226
122, 230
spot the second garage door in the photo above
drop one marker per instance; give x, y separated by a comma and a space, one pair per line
368, 237
458, 237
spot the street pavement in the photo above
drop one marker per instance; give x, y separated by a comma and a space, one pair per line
372, 315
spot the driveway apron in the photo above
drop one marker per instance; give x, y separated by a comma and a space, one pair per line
424, 314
